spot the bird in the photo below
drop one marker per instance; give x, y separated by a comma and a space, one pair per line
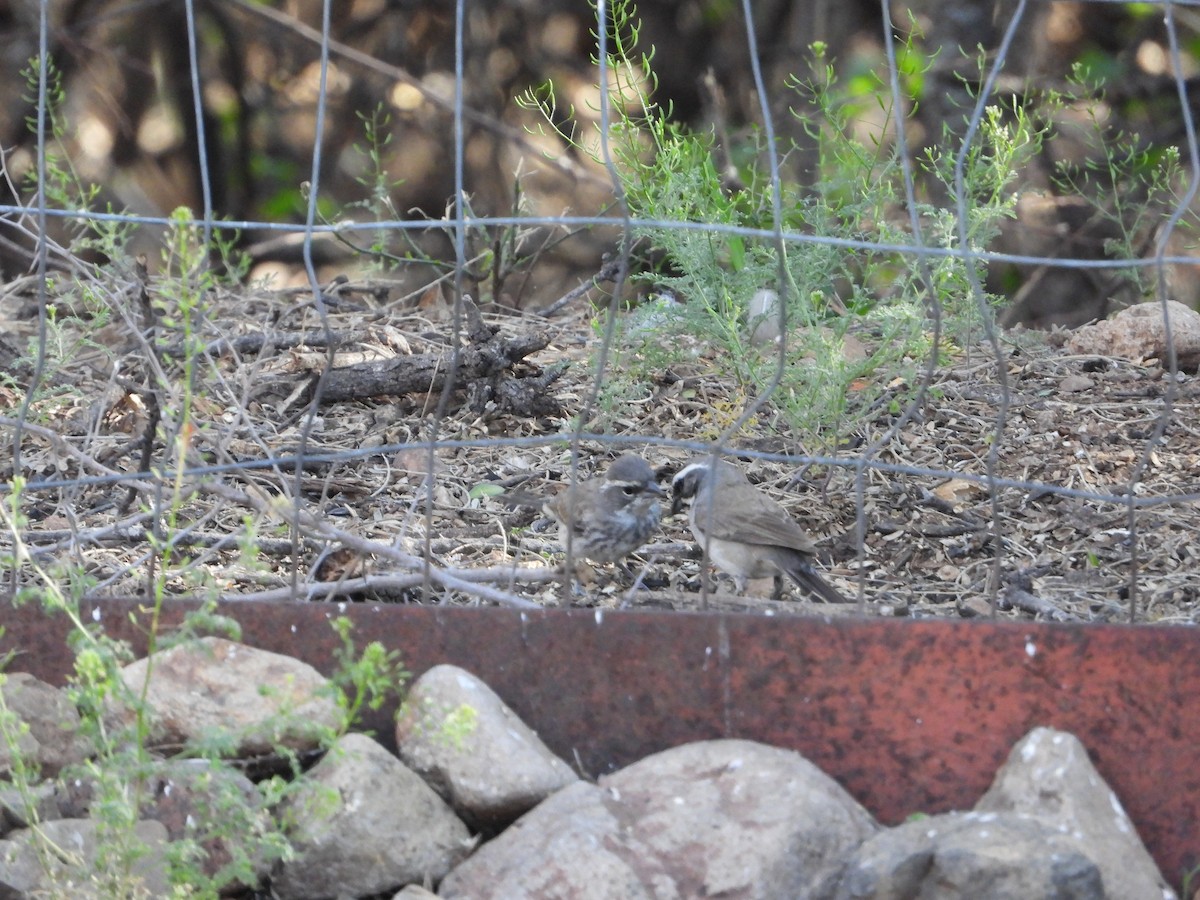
605, 519
744, 532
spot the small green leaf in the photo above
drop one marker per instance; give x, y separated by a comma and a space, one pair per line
485, 490
737, 253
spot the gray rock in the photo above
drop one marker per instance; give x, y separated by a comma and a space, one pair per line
20, 809
569, 846
26, 870
218, 808
363, 823
1048, 774
458, 735
763, 313
969, 856
415, 892
716, 818
211, 685
53, 740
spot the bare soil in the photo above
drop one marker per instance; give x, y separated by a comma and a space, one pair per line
1077, 433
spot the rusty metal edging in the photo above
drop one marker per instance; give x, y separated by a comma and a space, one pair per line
908, 716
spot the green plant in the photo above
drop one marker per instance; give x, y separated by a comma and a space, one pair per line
379, 184
493, 255
59, 343
1008, 138
499, 255
178, 377
366, 678
62, 185
1129, 183
830, 292
459, 724
1190, 888
450, 726
122, 769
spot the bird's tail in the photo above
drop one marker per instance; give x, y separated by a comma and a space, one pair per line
808, 579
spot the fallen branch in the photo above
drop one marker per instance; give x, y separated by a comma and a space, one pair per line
489, 369
1018, 598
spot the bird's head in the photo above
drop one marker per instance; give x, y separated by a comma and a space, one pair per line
697, 476
629, 478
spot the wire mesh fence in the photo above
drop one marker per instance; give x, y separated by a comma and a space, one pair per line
325, 303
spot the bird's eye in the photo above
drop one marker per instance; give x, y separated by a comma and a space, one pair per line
630, 489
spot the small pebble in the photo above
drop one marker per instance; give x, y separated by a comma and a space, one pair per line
1073, 384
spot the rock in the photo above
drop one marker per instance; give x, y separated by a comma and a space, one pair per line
73, 796
457, 734
212, 685
26, 870
973, 606
969, 856
1074, 384
1048, 827
217, 807
721, 818
1138, 333
569, 844
1049, 775
363, 823
415, 892
53, 740
20, 809
763, 312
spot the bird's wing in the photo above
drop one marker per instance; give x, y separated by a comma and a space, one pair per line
754, 519
768, 526
573, 508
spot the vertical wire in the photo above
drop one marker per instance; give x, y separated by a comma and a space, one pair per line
310, 219
42, 246
934, 305
781, 272
622, 274
198, 112
969, 257
781, 275
461, 212
1160, 250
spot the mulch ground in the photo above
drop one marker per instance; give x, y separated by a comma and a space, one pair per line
1076, 428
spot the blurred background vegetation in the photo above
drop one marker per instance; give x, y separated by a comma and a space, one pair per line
128, 123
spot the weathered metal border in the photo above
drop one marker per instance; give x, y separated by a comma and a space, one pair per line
908, 716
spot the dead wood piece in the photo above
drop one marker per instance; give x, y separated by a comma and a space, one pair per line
945, 531
11, 360
610, 271
521, 395
253, 344
486, 369
1017, 598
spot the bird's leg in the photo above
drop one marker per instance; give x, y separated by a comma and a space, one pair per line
777, 591
637, 581
706, 582
641, 575
570, 587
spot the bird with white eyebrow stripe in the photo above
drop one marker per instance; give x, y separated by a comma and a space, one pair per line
744, 532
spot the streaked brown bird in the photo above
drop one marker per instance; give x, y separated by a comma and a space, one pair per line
744, 532
609, 517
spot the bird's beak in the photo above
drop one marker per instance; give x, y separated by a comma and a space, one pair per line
682, 487
676, 503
